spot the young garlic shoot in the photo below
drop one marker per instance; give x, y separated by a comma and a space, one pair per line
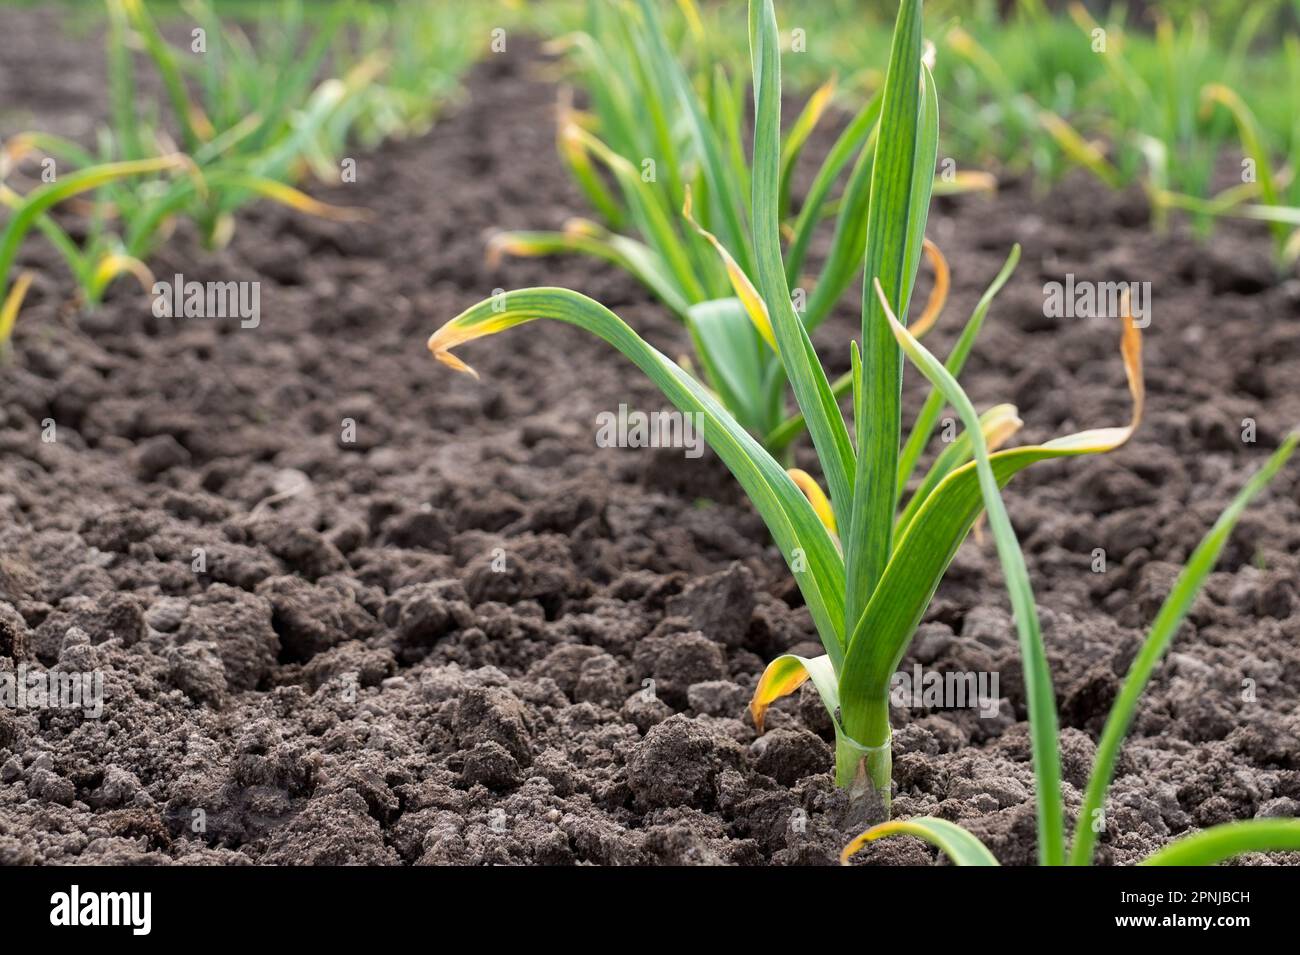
866, 562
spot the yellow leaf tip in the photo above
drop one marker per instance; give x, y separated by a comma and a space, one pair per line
860, 841
441, 349
579, 227
493, 251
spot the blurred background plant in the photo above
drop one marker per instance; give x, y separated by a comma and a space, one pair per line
253, 102
1194, 104
1197, 104
663, 130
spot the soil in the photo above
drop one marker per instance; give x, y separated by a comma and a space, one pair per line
350, 676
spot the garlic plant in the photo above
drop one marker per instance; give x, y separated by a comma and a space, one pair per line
867, 564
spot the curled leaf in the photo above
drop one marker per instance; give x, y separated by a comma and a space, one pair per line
456, 333
802, 538
1108, 439
958, 844
34, 205
519, 244
938, 293
116, 263
786, 674
576, 234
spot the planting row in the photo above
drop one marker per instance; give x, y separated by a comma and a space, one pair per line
224, 117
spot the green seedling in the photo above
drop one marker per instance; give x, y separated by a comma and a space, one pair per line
866, 569
30, 211
245, 143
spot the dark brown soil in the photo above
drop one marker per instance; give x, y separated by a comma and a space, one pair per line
349, 680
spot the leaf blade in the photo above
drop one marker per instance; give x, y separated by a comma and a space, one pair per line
1218, 843
891, 230
786, 674
958, 844
866, 670
807, 377
1163, 629
928, 416
794, 524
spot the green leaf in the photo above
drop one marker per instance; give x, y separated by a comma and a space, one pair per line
850, 226
1230, 206
580, 167
1170, 617
730, 226
795, 527
142, 229
651, 117
798, 135
727, 118
1037, 675
605, 84
1214, 845
187, 113
928, 416
637, 258
780, 437
1252, 143
1079, 150
849, 238
958, 844
55, 235
927, 154
953, 456
927, 545
653, 219
122, 90
892, 230
35, 203
733, 357
803, 368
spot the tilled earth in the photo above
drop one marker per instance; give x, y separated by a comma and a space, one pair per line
349, 607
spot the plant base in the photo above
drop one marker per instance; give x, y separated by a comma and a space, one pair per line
865, 773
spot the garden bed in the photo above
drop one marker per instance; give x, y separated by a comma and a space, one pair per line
351, 677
